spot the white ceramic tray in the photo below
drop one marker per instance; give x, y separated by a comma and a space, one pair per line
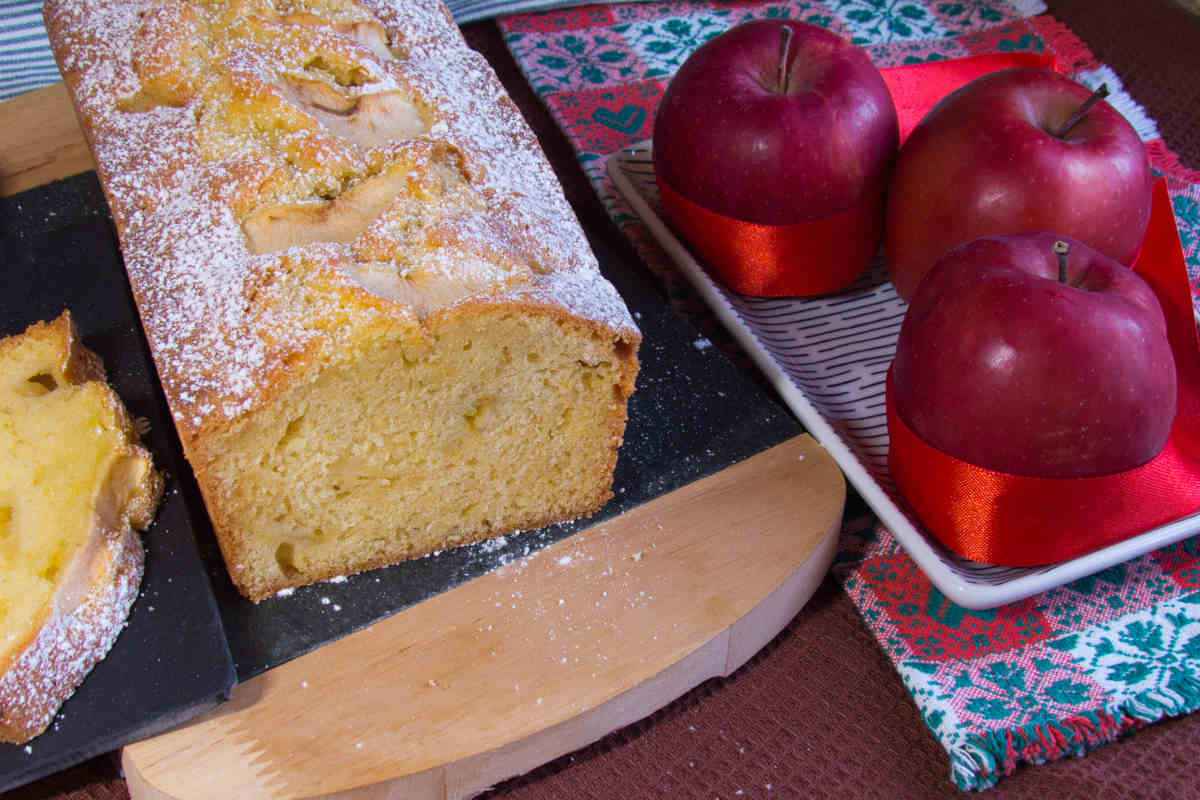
828, 358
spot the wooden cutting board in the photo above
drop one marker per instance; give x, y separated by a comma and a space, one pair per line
529, 662
501, 674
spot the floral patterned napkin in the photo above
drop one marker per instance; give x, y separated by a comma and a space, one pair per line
1053, 675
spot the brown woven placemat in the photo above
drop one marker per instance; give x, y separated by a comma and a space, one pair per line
821, 713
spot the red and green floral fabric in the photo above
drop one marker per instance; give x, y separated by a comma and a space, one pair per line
1046, 677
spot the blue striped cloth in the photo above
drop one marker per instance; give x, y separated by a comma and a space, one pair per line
26, 62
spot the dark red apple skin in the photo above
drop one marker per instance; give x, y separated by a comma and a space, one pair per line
983, 162
727, 138
1002, 366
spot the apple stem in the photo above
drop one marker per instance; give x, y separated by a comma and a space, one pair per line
785, 46
1082, 111
1062, 250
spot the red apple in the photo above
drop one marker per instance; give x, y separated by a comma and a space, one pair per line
993, 158
777, 122
1005, 365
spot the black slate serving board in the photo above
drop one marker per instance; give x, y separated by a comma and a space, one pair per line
694, 414
172, 661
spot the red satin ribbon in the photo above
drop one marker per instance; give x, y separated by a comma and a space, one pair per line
917, 88
801, 260
825, 255
1013, 520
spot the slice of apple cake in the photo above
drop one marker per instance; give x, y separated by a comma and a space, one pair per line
74, 483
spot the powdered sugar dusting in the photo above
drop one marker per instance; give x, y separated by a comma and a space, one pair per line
193, 275
71, 643
481, 120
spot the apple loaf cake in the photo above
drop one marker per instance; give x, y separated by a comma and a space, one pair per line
376, 319
74, 483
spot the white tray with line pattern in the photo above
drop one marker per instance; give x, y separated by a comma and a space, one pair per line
828, 358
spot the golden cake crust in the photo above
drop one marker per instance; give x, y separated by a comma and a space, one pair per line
220, 351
